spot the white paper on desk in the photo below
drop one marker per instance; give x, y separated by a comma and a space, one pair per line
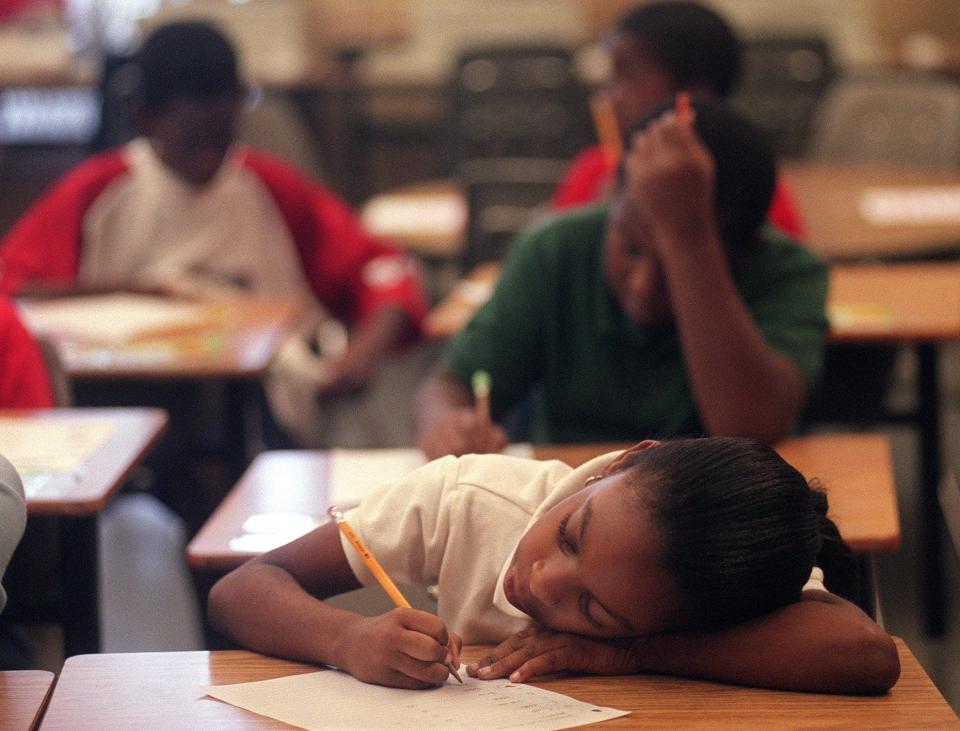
51, 446
332, 699
110, 318
927, 205
355, 472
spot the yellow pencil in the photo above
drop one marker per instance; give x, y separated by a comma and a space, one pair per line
607, 128
375, 568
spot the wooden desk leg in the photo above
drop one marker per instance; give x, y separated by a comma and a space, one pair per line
79, 559
931, 554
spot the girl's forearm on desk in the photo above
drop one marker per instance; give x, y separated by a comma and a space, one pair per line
820, 646
263, 608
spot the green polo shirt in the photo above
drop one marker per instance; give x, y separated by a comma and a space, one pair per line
555, 331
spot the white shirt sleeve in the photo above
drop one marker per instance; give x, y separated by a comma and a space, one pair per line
13, 517
405, 524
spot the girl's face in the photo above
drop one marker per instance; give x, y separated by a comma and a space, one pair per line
591, 566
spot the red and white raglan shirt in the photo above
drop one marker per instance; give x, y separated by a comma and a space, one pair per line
122, 218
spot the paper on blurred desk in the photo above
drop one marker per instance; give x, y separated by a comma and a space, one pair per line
111, 318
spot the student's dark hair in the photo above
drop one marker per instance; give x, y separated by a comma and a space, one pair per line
186, 60
745, 169
691, 43
741, 527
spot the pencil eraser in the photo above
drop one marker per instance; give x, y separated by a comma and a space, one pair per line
481, 383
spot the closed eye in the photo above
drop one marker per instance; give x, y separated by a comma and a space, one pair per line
566, 545
584, 606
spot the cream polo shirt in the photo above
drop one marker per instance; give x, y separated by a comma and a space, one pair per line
456, 523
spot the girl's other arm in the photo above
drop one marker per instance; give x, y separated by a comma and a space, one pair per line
820, 644
273, 604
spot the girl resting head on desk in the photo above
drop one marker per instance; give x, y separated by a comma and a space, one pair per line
697, 557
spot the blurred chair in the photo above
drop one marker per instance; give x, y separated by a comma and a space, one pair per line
523, 101
901, 119
781, 82
275, 124
117, 79
504, 196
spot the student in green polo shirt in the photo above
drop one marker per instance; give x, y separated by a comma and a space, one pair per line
672, 311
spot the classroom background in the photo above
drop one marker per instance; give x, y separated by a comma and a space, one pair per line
366, 96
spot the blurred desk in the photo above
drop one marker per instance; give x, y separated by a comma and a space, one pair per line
23, 697
225, 339
83, 460
916, 305
856, 470
856, 211
114, 345
428, 218
851, 211
454, 311
153, 690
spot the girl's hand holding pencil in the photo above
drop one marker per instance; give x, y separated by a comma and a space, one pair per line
404, 648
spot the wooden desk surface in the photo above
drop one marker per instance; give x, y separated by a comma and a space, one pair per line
162, 690
23, 696
237, 339
895, 302
428, 217
87, 490
829, 198
856, 470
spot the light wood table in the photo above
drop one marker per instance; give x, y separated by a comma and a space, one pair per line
831, 196
230, 343
917, 305
429, 217
162, 691
76, 497
856, 470
23, 696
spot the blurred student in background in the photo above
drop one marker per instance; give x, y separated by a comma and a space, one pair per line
672, 311
185, 209
657, 50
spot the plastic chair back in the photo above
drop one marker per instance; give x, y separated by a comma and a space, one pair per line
898, 119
